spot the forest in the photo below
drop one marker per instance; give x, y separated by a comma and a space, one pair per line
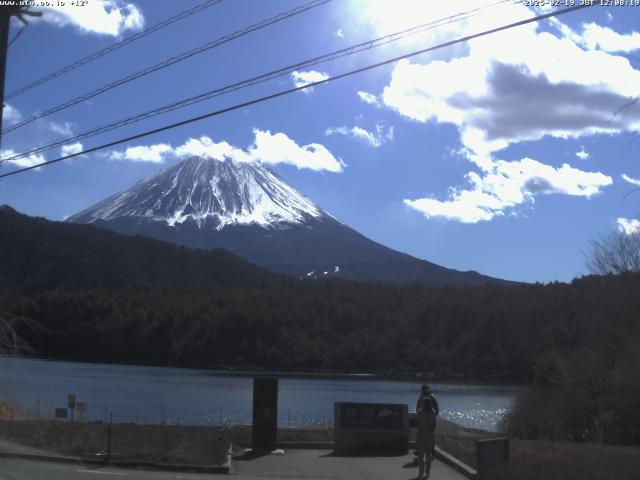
81, 293
487, 332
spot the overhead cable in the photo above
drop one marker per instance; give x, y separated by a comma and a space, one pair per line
370, 44
111, 48
302, 87
168, 62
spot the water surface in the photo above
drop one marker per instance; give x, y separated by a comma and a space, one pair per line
144, 394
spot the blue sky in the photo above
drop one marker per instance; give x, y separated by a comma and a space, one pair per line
504, 155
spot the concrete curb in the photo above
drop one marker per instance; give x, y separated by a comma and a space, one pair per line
172, 467
454, 463
296, 445
303, 445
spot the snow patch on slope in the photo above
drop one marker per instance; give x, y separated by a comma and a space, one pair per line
208, 191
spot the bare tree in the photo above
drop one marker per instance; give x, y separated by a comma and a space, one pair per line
616, 252
10, 341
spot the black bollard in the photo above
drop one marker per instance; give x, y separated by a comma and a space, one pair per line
265, 415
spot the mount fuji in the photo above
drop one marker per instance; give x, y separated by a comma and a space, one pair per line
249, 210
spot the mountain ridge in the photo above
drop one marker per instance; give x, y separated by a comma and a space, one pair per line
37, 254
251, 211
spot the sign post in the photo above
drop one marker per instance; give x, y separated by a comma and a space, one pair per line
264, 434
71, 403
81, 407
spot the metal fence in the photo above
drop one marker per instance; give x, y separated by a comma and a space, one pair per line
156, 414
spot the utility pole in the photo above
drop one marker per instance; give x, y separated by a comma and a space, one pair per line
6, 12
4, 44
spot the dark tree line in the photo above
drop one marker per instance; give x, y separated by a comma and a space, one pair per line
485, 332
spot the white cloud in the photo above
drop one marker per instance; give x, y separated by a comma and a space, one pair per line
10, 115
385, 17
609, 40
339, 33
597, 37
582, 154
630, 226
205, 147
495, 104
497, 95
631, 180
101, 17
369, 98
71, 149
375, 139
143, 153
303, 78
507, 185
267, 148
65, 129
279, 148
24, 162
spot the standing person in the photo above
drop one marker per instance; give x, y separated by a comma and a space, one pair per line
425, 392
425, 438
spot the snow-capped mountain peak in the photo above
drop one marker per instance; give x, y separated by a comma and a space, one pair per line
209, 192
250, 211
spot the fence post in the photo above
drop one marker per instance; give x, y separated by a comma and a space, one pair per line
109, 435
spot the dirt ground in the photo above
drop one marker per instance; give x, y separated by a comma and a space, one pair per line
129, 442
529, 460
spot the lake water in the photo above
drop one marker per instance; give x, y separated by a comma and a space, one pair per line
206, 397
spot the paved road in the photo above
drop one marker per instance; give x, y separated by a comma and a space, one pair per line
12, 447
11, 469
294, 464
322, 465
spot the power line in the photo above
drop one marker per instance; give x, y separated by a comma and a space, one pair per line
297, 89
15, 37
255, 80
171, 61
100, 53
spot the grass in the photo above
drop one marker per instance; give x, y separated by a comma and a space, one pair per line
141, 443
8, 410
540, 459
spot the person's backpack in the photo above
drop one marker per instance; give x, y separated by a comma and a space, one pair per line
427, 405
434, 404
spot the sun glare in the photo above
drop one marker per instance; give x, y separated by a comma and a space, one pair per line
448, 19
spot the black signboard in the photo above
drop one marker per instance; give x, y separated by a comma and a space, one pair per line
61, 413
265, 414
493, 456
382, 416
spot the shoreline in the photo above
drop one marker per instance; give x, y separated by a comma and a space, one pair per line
221, 370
